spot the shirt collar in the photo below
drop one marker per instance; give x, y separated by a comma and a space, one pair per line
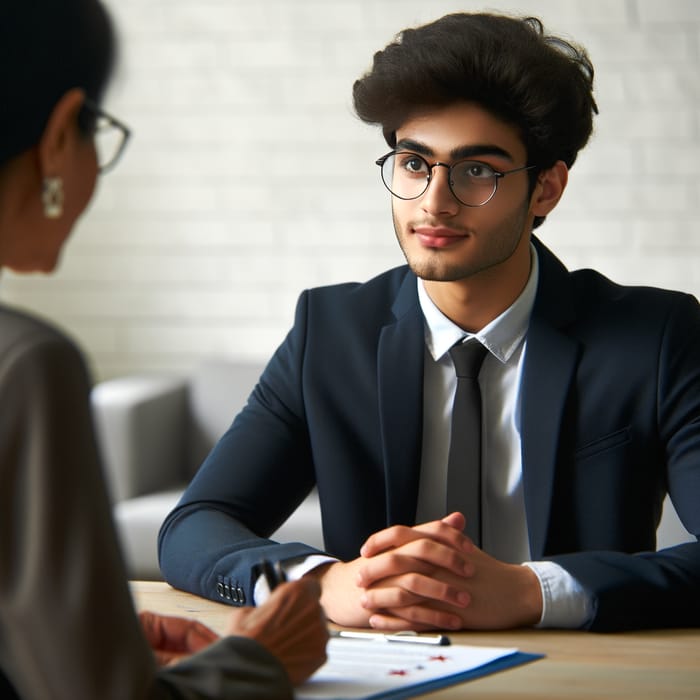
501, 337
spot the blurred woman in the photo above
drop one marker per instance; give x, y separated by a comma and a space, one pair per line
67, 625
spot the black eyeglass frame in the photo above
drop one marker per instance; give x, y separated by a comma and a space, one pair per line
100, 113
497, 175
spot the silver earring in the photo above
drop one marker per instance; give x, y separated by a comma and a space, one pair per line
52, 197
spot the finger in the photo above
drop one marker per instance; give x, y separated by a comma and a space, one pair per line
411, 589
390, 623
297, 602
420, 556
177, 634
399, 535
415, 617
291, 606
151, 629
196, 635
455, 520
393, 536
305, 592
448, 531
168, 658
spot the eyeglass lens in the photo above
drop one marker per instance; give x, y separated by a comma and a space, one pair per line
407, 176
109, 142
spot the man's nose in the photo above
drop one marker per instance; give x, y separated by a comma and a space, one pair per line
438, 197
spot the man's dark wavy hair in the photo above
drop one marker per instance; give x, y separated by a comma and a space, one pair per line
540, 84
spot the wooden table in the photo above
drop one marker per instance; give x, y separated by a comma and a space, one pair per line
658, 665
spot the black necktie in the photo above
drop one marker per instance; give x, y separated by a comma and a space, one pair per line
464, 462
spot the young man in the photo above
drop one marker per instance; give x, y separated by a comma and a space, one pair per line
589, 392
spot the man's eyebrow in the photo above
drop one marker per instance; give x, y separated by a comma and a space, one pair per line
459, 153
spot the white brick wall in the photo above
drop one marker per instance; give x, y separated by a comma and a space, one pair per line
224, 209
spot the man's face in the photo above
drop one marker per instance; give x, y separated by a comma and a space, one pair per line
443, 239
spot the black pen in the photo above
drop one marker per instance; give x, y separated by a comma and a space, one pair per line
273, 573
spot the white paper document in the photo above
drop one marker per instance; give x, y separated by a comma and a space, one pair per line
380, 669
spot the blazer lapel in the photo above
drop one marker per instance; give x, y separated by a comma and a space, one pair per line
550, 364
400, 381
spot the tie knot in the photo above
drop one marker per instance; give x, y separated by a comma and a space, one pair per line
468, 358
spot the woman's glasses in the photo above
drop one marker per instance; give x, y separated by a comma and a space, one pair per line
111, 135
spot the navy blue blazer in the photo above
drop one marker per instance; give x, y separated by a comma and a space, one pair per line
610, 423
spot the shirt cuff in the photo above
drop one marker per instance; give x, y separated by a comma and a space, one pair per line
293, 569
565, 604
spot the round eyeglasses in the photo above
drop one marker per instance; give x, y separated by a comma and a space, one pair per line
111, 136
473, 183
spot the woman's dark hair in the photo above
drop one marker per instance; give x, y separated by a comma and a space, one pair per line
48, 47
540, 84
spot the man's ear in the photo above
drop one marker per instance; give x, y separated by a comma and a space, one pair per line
60, 133
549, 189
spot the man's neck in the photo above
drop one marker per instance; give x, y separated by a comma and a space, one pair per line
472, 303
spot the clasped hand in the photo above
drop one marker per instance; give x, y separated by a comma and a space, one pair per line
430, 576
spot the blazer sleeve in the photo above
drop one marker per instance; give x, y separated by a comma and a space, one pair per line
68, 629
252, 481
234, 667
659, 589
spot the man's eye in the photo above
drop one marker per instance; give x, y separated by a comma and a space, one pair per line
414, 165
475, 171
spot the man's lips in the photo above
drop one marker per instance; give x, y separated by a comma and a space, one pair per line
438, 236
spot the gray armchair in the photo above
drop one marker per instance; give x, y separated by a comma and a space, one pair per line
154, 432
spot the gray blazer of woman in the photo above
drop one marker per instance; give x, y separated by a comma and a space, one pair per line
68, 629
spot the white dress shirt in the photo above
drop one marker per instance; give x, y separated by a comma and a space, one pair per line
504, 524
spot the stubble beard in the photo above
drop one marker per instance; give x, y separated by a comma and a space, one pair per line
435, 265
